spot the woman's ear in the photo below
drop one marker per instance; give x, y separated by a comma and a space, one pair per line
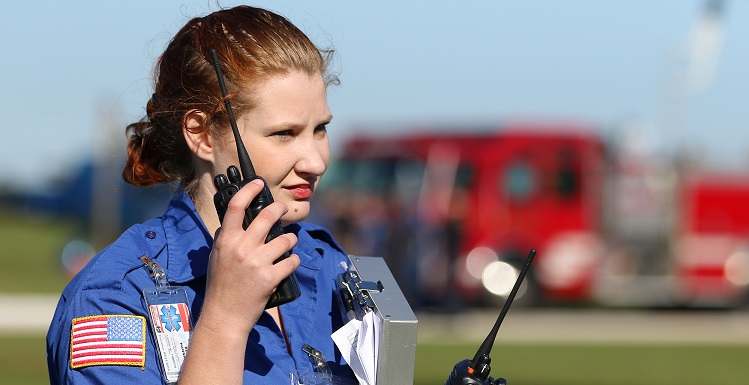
195, 130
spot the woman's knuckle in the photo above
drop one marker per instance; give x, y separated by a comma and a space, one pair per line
234, 205
266, 215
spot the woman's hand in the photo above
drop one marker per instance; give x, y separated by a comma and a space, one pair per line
241, 273
241, 279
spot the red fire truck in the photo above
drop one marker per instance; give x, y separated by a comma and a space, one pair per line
456, 212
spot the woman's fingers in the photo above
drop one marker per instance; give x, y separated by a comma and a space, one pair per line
241, 261
255, 235
264, 220
277, 247
238, 204
287, 266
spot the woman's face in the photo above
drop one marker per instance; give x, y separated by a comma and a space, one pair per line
286, 137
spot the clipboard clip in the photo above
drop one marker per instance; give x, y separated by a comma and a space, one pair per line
355, 291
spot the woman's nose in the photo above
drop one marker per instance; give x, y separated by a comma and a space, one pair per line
314, 158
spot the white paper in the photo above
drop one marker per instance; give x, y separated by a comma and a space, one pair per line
359, 344
346, 339
368, 345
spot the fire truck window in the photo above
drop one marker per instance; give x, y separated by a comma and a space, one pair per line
464, 176
408, 175
567, 176
519, 181
409, 172
338, 175
373, 176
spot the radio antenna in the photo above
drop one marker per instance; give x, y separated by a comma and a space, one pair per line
245, 164
481, 360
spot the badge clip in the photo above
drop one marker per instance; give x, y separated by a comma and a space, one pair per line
155, 271
169, 316
317, 359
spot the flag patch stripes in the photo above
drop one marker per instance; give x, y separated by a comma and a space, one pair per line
108, 340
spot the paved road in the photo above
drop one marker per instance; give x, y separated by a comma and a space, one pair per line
31, 314
26, 313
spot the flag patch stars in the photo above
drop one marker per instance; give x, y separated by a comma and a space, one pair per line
108, 340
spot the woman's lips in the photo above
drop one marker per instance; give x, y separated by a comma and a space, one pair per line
300, 191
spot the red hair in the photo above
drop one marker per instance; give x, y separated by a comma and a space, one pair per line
253, 44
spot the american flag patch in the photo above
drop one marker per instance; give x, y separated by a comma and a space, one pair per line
108, 340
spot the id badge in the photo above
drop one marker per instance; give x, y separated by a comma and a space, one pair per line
169, 317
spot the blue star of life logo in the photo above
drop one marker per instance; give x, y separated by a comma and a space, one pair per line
170, 318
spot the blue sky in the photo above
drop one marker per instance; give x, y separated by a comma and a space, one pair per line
75, 72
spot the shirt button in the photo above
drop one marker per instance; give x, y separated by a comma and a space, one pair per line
150, 234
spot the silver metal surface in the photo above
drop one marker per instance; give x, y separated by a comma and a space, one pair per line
397, 354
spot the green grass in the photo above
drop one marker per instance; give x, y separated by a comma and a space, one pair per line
30, 250
29, 263
22, 361
549, 364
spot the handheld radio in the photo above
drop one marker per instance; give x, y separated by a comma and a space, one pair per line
229, 184
476, 371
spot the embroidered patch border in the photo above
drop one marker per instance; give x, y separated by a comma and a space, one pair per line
109, 339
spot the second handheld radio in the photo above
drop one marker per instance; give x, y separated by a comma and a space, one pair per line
229, 184
476, 371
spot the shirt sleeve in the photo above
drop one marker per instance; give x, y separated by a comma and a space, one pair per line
102, 337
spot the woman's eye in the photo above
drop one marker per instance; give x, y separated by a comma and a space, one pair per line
283, 133
322, 128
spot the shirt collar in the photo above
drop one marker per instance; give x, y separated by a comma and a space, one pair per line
188, 242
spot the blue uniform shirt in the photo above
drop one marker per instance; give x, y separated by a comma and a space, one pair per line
112, 284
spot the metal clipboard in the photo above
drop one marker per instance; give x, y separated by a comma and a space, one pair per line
369, 285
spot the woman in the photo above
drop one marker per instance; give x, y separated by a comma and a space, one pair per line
276, 79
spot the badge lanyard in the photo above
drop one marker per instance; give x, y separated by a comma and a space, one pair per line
169, 317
